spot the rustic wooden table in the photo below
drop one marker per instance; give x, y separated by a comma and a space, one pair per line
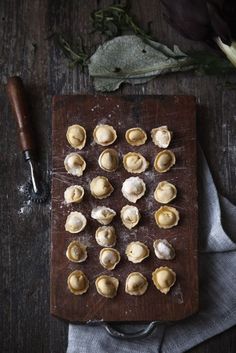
25, 49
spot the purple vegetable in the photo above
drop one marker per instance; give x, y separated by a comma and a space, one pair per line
212, 20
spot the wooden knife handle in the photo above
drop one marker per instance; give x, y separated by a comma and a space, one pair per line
17, 97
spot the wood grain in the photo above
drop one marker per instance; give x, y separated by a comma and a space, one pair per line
147, 112
25, 240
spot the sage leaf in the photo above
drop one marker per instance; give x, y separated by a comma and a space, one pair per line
132, 60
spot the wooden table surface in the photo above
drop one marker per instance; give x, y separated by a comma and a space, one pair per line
25, 49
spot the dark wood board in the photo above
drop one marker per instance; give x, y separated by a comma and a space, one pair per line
179, 114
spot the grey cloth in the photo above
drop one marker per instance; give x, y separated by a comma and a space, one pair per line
217, 261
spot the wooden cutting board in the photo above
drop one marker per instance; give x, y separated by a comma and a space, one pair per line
123, 112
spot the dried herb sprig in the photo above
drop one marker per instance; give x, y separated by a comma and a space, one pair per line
76, 56
115, 20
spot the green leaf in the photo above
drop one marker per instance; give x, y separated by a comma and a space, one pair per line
132, 60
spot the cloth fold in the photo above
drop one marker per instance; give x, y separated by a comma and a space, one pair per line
217, 281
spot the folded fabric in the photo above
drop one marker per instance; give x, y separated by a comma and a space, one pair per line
217, 274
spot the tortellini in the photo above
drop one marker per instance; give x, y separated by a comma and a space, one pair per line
75, 164
74, 193
136, 284
104, 135
166, 217
136, 136
163, 278
133, 189
78, 282
104, 215
76, 252
100, 187
76, 136
163, 249
137, 252
109, 258
109, 160
135, 163
161, 136
165, 192
107, 286
164, 161
130, 216
106, 236
75, 222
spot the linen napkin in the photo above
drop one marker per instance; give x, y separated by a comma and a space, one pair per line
217, 275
